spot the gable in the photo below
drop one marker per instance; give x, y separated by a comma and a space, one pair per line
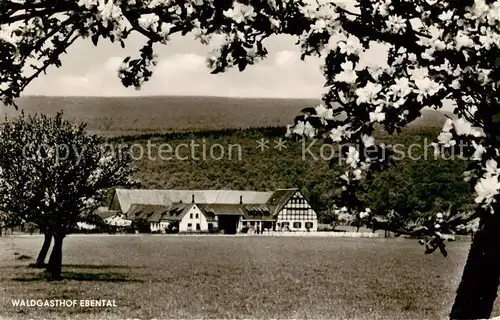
115, 203
297, 207
297, 200
192, 210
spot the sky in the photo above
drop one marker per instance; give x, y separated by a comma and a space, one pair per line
88, 70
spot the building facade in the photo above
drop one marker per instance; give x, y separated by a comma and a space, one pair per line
225, 210
297, 215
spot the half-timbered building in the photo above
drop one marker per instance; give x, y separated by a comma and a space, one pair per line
227, 210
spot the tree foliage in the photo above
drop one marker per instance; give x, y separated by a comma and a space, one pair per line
54, 174
436, 50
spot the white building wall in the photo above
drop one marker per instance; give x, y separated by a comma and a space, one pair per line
190, 220
158, 226
302, 225
297, 214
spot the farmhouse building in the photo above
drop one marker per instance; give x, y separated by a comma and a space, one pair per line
227, 210
112, 217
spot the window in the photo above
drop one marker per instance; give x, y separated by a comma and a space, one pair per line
252, 223
198, 227
309, 225
197, 216
244, 223
297, 225
190, 216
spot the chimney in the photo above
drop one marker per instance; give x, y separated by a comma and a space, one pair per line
241, 199
192, 198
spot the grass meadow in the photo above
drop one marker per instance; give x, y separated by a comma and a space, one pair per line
234, 277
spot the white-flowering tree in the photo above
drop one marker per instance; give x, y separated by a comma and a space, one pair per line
436, 50
361, 218
343, 217
53, 174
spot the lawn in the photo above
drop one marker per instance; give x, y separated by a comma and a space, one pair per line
235, 277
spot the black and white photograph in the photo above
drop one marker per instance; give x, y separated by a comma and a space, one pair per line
249, 159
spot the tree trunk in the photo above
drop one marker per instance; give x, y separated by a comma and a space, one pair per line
477, 291
40, 261
55, 261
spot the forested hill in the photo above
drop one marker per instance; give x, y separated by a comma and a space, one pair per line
425, 185
134, 115
415, 185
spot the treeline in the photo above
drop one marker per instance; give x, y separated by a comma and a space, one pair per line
193, 134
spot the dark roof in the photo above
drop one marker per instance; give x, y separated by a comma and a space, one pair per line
207, 211
176, 211
279, 199
248, 211
106, 214
258, 212
221, 209
150, 212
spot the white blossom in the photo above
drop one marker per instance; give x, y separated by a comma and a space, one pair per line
323, 112
88, 4
401, 87
396, 24
9, 33
367, 140
463, 40
109, 12
479, 151
336, 134
368, 92
491, 168
448, 125
446, 139
351, 45
357, 174
240, 12
486, 188
465, 128
427, 54
446, 15
352, 157
165, 29
149, 21
304, 128
426, 87
365, 214
467, 175
348, 74
377, 115
319, 26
